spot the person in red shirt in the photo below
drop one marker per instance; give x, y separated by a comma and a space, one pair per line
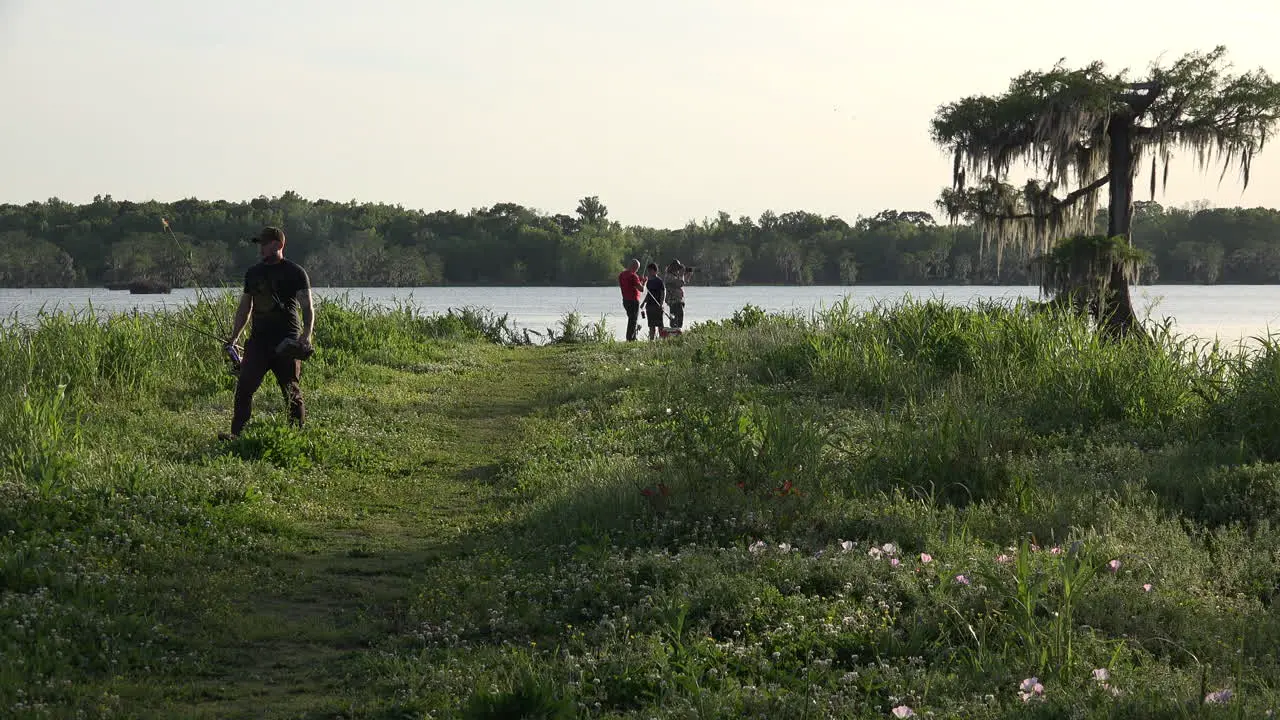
632, 290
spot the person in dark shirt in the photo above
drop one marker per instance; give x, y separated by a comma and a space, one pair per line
275, 290
656, 295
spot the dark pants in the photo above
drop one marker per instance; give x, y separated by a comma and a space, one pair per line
259, 357
653, 311
633, 317
677, 315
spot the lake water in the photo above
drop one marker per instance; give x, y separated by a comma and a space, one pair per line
1230, 312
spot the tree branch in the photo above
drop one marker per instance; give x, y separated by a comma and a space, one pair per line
1067, 201
1077, 194
1139, 101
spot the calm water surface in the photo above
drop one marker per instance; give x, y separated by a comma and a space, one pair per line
1229, 312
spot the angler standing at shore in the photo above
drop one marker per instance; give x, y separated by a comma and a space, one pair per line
677, 276
274, 291
632, 290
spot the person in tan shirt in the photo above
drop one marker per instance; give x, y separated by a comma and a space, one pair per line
677, 276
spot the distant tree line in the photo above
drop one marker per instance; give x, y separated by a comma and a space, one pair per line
107, 241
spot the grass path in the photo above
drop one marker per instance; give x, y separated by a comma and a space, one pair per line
291, 640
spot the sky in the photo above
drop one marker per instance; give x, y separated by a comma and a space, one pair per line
668, 110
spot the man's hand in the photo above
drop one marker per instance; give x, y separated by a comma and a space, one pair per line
241, 317
308, 316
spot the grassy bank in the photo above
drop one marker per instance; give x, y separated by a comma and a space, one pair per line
912, 509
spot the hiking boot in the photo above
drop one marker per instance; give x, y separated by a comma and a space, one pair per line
227, 437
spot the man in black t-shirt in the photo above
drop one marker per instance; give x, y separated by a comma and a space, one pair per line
656, 295
274, 291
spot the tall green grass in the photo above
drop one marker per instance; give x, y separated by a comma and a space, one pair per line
61, 365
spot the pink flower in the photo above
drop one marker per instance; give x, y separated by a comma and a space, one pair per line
926, 558
1146, 587
962, 579
1003, 559
1030, 688
1113, 566
1102, 675
1218, 697
895, 562
1055, 550
902, 711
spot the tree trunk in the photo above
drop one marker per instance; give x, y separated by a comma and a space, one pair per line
1116, 315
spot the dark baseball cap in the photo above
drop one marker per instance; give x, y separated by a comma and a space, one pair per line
269, 233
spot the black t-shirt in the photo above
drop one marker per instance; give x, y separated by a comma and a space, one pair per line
274, 288
657, 291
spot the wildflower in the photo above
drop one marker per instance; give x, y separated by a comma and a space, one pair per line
962, 579
784, 547
889, 548
1113, 566
1003, 559
846, 545
1030, 688
1218, 697
902, 711
875, 552
1146, 587
926, 558
1055, 550
757, 546
895, 562
1102, 675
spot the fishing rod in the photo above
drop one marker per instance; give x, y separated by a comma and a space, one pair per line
197, 330
665, 313
234, 353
